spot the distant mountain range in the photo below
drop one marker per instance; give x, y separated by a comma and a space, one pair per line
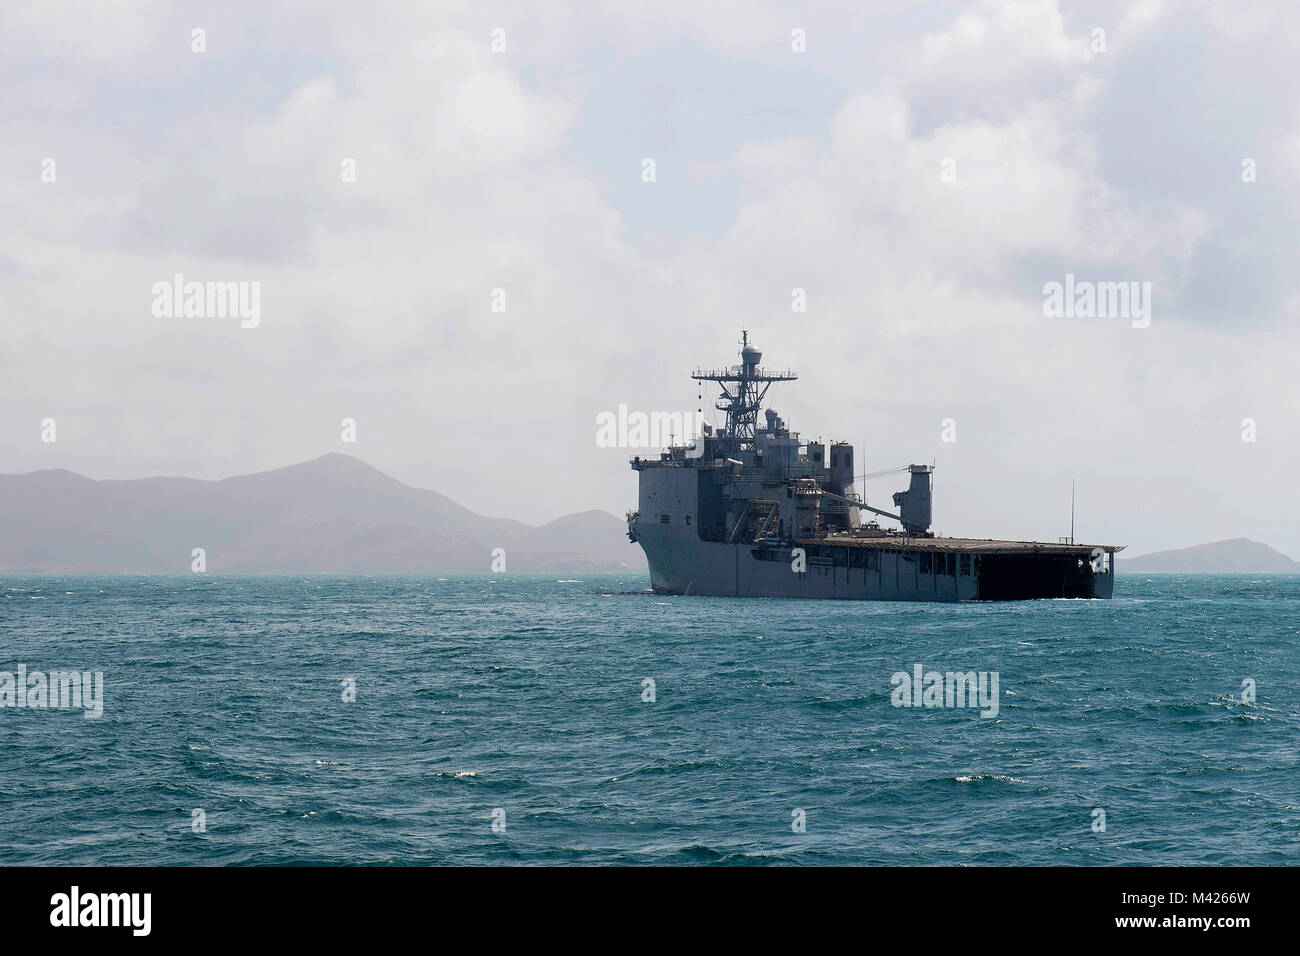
1234, 556
332, 514
338, 514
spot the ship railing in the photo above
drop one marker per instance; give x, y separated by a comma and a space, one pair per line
735, 371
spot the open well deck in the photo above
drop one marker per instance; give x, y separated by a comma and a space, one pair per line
970, 568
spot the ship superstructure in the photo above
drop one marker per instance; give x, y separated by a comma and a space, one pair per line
752, 509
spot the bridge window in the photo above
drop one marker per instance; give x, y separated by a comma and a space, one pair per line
664, 519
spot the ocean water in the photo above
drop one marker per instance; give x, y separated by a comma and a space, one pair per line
519, 699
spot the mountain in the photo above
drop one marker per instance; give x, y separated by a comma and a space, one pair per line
332, 514
1234, 556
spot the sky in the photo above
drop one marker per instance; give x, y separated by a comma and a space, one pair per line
446, 211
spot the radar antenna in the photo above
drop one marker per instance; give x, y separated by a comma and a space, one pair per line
744, 387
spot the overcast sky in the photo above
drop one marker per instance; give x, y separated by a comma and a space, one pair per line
775, 169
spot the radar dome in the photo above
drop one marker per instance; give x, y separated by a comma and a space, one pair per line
750, 355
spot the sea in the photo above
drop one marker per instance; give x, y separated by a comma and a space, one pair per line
580, 719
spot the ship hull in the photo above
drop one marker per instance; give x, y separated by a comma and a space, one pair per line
679, 565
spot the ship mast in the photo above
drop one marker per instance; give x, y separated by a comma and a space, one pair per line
743, 389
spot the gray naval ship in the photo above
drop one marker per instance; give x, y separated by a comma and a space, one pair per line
752, 510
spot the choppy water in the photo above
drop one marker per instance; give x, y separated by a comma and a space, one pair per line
525, 694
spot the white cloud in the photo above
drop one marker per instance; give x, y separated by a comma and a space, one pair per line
923, 294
